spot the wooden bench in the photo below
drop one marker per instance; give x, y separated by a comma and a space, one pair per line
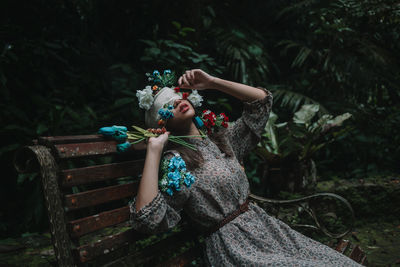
87, 186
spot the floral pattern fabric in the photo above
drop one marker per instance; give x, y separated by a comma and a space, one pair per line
254, 238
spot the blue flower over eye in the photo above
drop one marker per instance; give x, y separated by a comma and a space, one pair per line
165, 113
156, 73
170, 107
167, 71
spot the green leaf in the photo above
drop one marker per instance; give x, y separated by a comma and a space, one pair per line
188, 29
41, 128
91, 112
338, 120
8, 148
149, 42
270, 133
152, 51
176, 24
305, 114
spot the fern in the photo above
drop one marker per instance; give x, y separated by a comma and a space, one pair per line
242, 50
293, 100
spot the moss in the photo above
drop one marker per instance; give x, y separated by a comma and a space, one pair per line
370, 198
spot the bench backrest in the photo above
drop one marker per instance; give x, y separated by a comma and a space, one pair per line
87, 186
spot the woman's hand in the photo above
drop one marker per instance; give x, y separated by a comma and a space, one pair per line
158, 143
196, 79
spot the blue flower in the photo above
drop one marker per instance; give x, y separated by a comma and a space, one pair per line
165, 113
170, 192
170, 107
174, 181
189, 179
167, 71
176, 175
123, 147
177, 163
156, 73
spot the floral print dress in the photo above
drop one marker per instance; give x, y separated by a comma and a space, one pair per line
254, 238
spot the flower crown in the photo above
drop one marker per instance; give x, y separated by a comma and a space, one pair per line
167, 79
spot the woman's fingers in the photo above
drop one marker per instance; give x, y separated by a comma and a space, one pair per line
185, 79
195, 78
158, 142
190, 76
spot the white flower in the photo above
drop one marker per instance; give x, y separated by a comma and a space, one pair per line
195, 98
145, 97
164, 182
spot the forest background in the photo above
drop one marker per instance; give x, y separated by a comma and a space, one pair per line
71, 67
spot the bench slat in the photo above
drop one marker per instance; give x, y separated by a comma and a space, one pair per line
342, 246
80, 227
110, 243
172, 243
77, 150
357, 254
99, 196
48, 140
97, 173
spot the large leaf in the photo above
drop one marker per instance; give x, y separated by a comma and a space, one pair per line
291, 99
271, 135
338, 120
305, 114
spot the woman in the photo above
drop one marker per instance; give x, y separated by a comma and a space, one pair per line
237, 233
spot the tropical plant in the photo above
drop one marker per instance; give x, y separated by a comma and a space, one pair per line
292, 145
178, 53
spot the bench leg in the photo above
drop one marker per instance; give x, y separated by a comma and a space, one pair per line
55, 211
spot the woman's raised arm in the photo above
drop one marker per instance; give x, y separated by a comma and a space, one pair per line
198, 79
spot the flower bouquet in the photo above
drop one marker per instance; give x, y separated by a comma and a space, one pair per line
140, 134
127, 138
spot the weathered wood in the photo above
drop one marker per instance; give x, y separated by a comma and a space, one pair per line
109, 244
63, 232
342, 245
357, 255
73, 177
99, 196
55, 211
77, 150
70, 139
96, 222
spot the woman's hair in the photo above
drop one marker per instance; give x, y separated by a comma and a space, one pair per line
194, 159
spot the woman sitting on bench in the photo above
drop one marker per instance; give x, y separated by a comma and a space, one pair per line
210, 185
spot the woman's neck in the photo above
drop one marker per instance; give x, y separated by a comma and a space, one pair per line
194, 131
191, 129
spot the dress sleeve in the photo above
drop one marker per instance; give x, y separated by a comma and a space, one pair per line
245, 133
162, 213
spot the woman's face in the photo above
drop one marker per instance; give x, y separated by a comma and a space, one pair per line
183, 114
